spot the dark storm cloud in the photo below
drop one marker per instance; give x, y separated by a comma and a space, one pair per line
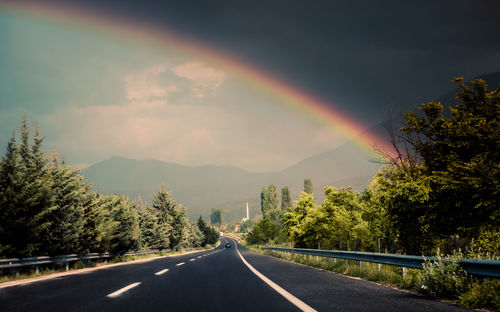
363, 55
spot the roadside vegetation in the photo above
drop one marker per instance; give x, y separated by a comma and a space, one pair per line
46, 208
438, 194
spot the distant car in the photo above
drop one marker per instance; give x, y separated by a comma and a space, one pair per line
228, 245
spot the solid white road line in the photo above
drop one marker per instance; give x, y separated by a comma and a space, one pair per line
294, 300
161, 272
179, 264
122, 290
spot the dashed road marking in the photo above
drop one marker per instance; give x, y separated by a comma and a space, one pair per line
161, 272
192, 259
179, 264
122, 290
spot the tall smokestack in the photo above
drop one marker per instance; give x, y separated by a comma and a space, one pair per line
247, 212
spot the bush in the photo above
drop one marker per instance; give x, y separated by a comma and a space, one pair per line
262, 232
485, 294
443, 279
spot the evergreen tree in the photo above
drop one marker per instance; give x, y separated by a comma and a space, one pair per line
171, 219
193, 237
308, 186
272, 197
90, 231
118, 224
179, 227
263, 201
269, 200
217, 216
27, 197
11, 205
286, 201
162, 204
148, 224
62, 236
202, 226
37, 193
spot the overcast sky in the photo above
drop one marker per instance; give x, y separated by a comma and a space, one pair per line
95, 97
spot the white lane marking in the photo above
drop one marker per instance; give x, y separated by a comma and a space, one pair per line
192, 259
122, 290
288, 296
179, 264
161, 272
199, 257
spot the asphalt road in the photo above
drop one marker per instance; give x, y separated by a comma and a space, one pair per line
213, 280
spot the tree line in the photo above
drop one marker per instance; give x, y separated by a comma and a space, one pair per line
46, 208
439, 189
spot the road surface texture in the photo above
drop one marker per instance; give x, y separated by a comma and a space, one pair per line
212, 280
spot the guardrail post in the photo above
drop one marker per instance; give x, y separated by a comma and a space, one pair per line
37, 269
405, 271
380, 267
67, 266
360, 264
334, 260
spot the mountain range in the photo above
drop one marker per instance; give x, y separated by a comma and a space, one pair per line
203, 187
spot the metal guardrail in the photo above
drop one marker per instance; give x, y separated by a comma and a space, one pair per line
486, 268
15, 263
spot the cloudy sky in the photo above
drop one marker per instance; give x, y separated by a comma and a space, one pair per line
97, 91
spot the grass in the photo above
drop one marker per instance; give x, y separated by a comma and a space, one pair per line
388, 275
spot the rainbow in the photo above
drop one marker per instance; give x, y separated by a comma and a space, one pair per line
136, 34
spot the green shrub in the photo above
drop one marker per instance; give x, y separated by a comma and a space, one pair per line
483, 294
81, 264
443, 279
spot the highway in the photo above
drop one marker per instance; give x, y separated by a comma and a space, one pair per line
211, 280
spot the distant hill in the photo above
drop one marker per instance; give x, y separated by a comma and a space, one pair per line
203, 187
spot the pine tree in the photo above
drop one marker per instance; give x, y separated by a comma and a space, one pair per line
148, 223
171, 219
179, 226
308, 186
38, 193
268, 199
217, 216
63, 233
11, 205
286, 201
27, 196
118, 224
263, 201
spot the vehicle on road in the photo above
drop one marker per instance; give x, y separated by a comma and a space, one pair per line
228, 245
